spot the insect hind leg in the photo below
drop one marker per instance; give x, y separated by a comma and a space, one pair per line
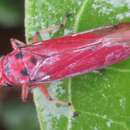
57, 101
50, 30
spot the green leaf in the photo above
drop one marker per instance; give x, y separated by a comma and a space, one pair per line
102, 98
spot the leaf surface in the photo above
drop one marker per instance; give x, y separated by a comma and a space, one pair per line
100, 98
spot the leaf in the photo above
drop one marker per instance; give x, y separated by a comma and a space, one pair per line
102, 98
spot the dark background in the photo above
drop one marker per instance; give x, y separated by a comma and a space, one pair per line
14, 114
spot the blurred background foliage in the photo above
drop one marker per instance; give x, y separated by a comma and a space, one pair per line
14, 115
11, 13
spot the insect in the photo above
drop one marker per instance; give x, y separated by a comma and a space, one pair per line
33, 65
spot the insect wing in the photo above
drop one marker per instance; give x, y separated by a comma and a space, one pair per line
79, 53
49, 58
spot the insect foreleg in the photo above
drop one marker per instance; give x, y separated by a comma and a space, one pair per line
25, 91
16, 43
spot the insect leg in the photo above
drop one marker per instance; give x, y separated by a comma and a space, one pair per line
25, 91
44, 90
100, 72
57, 101
50, 30
16, 43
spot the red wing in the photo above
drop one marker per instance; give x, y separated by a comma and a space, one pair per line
75, 54
70, 42
50, 53
59, 45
